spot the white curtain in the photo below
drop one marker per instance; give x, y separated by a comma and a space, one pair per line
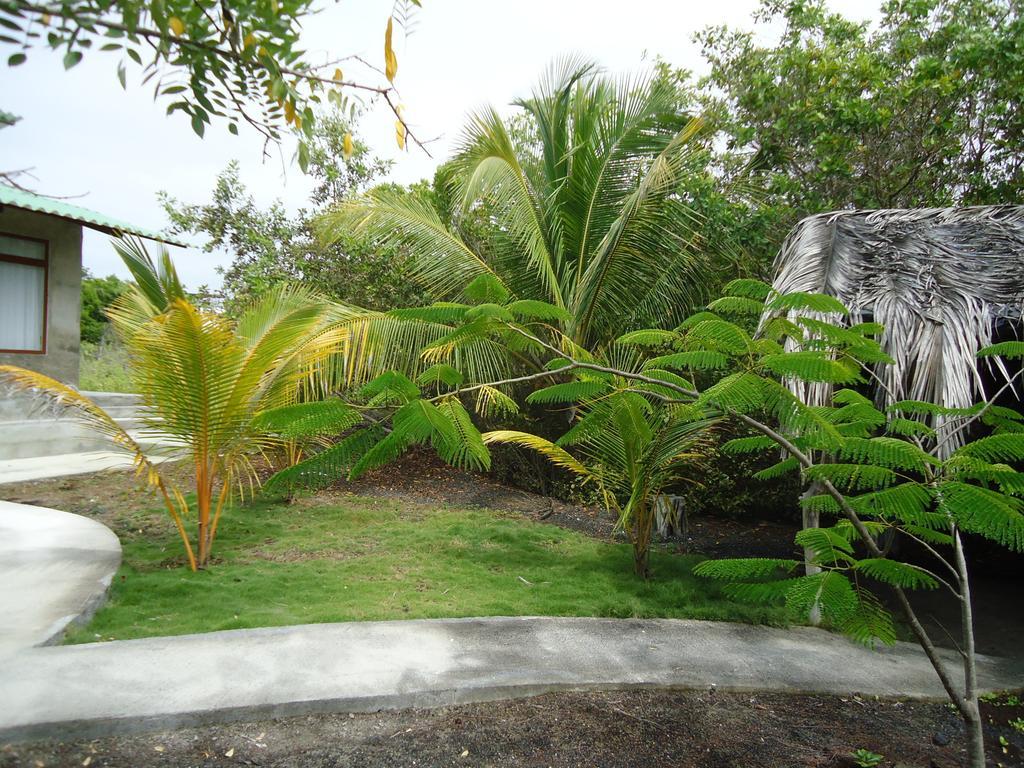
22, 291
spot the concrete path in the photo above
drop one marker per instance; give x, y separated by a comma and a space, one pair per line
55, 567
158, 683
60, 465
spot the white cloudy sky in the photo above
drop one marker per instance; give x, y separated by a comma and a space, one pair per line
83, 135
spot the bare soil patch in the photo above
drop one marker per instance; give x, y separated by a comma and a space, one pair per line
621, 728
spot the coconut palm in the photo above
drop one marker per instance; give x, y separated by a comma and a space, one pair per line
630, 450
586, 217
203, 380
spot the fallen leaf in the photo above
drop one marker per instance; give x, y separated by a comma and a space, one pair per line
230, 752
465, 753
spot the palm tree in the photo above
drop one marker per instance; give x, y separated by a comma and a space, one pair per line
630, 450
203, 380
586, 217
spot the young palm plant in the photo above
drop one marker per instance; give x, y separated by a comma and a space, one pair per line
630, 449
202, 381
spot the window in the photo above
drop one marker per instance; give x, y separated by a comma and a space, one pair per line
23, 265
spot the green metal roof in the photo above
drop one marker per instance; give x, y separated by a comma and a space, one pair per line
19, 198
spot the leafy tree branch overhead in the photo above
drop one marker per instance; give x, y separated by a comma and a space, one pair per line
239, 62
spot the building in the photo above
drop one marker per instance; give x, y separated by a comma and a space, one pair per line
40, 279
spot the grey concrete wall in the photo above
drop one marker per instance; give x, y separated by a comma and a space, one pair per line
64, 292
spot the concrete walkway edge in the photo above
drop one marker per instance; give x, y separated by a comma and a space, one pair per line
55, 570
159, 683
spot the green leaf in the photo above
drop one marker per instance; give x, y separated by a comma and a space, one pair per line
568, 392
16, 58
71, 58
198, 125
312, 419
486, 288
749, 444
698, 359
896, 573
828, 546
988, 513
787, 465
440, 373
649, 337
811, 366
538, 310
1012, 350
853, 476
740, 568
812, 302
390, 387
327, 466
737, 305
741, 392
1003, 447
747, 288
303, 155
720, 335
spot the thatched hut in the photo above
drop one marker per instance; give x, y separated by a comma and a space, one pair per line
943, 281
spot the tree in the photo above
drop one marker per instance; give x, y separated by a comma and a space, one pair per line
202, 381
878, 474
270, 245
586, 218
628, 449
98, 293
235, 61
923, 110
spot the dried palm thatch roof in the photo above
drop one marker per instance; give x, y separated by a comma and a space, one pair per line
938, 279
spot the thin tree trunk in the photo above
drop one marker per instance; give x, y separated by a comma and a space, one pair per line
969, 706
203, 494
642, 524
811, 519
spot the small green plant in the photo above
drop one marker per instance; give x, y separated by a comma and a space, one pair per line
865, 758
1017, 724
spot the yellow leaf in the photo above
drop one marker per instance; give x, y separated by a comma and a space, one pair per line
338, 75
46, 18
275, 6
177, 26
346, 146
250, 41
298, 122
390, 60
289, 111
230, 752
262, 51
400, 133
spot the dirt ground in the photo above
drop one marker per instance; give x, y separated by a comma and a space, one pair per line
625, 728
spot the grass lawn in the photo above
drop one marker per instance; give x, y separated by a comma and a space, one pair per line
351, 558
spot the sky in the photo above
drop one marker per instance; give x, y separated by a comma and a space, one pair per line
82, 135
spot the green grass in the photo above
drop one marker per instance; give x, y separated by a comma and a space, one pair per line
356, 559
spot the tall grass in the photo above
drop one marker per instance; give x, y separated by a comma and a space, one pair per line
104, 367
